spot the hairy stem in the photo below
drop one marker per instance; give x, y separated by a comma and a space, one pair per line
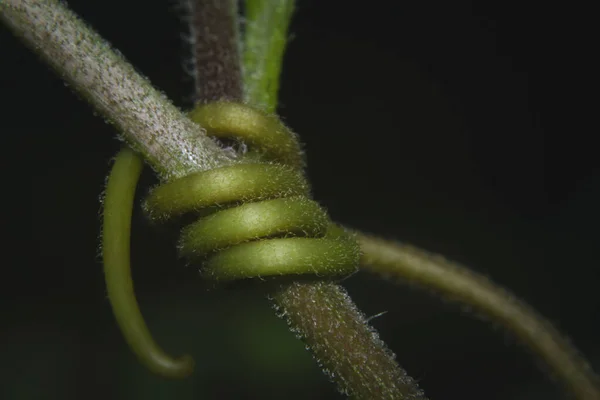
322, 314
216, 67
453, 281
345, 346
174, 146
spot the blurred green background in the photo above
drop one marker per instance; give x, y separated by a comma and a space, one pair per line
457, 127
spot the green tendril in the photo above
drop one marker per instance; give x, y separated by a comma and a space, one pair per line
455, 282
262, 131
118, 204
257, 220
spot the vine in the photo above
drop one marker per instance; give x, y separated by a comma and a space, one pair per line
177, 149
261, 223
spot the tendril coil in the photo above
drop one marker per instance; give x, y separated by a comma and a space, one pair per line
256, 220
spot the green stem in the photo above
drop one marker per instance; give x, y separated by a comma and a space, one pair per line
362, 366
455, 282
265, 40
175, 147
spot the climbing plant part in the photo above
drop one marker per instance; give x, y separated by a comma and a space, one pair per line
266, 181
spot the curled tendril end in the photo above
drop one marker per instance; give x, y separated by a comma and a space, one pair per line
257, 220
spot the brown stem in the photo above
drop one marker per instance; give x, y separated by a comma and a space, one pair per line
348, 350
216, 67
322, 314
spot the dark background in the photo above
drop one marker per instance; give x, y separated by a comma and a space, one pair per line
460, 127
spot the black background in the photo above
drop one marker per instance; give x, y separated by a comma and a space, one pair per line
462, 127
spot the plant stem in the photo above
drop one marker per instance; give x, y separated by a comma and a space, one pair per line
455, 282
216, 67
174, 146
322, 314
348, 350
265, 41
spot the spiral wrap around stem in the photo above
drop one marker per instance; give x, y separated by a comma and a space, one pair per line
257, 220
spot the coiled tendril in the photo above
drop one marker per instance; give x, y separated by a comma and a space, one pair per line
257, 220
